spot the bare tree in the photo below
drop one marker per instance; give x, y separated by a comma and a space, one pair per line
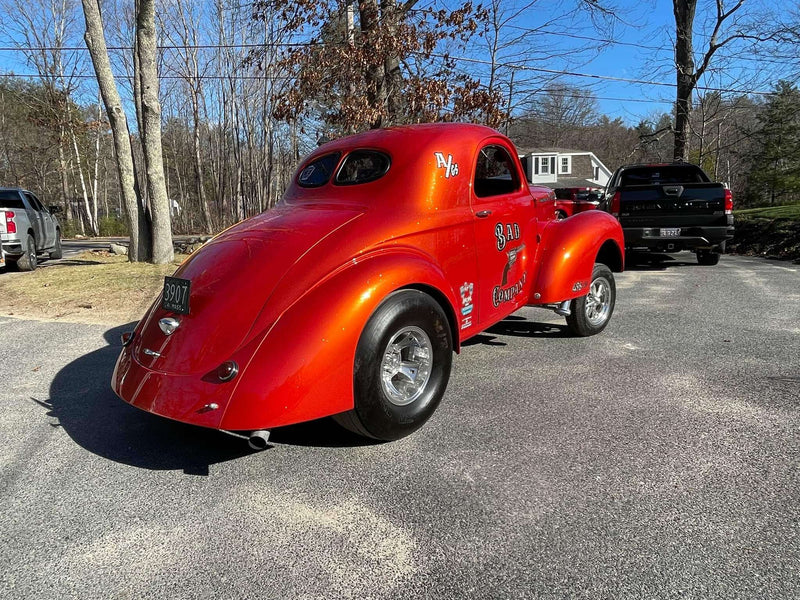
150, 124
96, 42
186, 19
728, 26
43, 29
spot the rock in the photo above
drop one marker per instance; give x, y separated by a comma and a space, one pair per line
117, 249
191, 248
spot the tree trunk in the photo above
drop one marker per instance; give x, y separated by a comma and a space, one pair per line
151, 133
198, 160
62, 163
684, 62
96, 42
97, 163
86, 207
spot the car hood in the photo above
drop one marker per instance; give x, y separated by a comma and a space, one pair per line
232, 278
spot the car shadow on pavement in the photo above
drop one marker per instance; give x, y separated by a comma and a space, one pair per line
95, 418
517, 326
82, 401
656, 261
322, 433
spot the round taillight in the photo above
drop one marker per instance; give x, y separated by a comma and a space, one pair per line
227, 370
127, 338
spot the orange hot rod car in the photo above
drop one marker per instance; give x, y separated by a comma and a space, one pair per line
387, 251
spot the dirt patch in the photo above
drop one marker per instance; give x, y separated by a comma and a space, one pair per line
96, 287
773, 238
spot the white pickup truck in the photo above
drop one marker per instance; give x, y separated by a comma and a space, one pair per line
27, 229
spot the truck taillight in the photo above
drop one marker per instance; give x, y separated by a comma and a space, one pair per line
615, 204
728, 202
11, 225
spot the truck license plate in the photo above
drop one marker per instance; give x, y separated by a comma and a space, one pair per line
671, 232
176, 295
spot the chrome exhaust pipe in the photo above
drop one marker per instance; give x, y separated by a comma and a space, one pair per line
563, 309
259, 440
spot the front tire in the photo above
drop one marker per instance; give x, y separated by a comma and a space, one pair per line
27, 262
591, 313
401, 368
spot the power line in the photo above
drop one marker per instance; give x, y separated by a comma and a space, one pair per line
591, 75
174, 47
462, 59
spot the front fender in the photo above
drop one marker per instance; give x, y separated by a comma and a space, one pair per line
568, 252
302, 369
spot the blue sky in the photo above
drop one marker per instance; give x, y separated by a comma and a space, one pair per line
638, 47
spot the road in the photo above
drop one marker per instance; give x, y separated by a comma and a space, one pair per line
656, 460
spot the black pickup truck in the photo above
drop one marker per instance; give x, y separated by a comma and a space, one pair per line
671, 207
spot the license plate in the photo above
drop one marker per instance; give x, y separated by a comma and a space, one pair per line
176, 295
672, 232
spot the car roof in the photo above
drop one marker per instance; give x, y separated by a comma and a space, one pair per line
417, 136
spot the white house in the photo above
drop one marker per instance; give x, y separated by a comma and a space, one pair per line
558, 167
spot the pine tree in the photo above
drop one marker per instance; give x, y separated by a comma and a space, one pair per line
775, 176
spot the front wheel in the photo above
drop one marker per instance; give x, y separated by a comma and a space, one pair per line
402, 366
590, 314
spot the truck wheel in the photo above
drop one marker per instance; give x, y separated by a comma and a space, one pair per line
707, 258
27, 262
401, 368
590, 314
57, 252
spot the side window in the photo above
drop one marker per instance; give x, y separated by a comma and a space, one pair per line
318, 172
495, 173
362, 166
35, 205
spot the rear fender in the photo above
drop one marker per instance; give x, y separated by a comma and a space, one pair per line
302, 368
568, 252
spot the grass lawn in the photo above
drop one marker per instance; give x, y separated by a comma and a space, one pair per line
788, 211
96, 287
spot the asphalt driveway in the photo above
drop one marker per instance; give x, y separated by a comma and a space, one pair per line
657, 460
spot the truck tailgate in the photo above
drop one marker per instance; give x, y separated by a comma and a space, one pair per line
673, 205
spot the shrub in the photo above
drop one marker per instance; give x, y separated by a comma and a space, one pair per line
111, 226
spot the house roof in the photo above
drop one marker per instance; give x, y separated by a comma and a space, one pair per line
573, 182
551, 151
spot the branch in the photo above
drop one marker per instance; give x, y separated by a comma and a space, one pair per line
713, 46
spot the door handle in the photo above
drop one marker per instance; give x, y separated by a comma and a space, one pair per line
482, 214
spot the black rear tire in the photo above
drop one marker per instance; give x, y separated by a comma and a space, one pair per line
57, 252
707, 258
27, 262
402, 366
591, 313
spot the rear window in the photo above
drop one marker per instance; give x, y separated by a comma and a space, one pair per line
11, 200
362, 166
663, 174
318, 172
